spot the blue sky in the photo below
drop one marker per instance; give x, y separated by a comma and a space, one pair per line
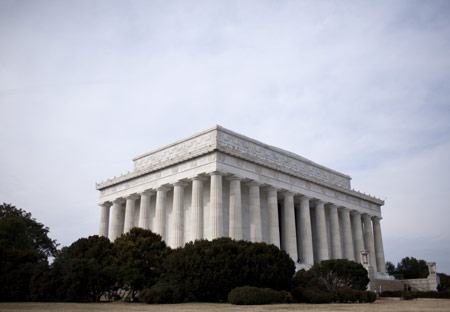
359, 86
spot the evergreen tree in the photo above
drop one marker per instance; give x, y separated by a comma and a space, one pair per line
24, 244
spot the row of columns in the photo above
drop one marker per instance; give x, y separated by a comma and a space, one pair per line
359, 231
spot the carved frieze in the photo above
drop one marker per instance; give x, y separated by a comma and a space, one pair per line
248, 149
178, 151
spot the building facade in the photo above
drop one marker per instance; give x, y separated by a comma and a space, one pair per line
219, 183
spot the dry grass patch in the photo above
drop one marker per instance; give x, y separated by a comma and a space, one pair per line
432, 305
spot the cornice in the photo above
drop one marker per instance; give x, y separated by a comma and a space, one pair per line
237, 145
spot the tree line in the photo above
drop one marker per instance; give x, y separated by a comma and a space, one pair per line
140, 266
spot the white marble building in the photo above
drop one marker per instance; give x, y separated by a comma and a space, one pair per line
220, 183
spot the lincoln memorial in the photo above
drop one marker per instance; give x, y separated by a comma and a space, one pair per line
220, 183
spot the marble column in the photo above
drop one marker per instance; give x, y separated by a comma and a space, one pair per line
289, 239
379, 250
368, 239
104, 219
336, 251
144, 211
216, 213
347, 232
358, 241
160, 218
255, 212
130, 210
235, 209
117, 222
137, 213
177, 227
197, 209
307, 254
272, 206
321, 228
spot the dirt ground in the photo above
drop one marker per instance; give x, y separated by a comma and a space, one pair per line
393, 305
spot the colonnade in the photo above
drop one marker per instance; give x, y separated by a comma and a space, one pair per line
308, 229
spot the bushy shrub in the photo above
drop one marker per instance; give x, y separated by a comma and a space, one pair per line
307, 279
305, 295
167, 293
249, 295
392, 293
408, 295
138, 255
347, 295
433, 294
209, 270
341, 273
416, 294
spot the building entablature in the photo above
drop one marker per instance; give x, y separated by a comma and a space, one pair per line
219, 139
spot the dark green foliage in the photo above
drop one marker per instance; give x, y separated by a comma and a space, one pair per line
311, 295
84, 271
45, 283
307, 279
139, 255
408, 295
412, 268
445, 281
162, 293
18, 230
348, 295
338, 279
209, 270
392, 293
390, 268
416, 294
24, 244
249, 295
340, 273
409, 268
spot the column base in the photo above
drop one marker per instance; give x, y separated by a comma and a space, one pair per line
302, 266
383, 276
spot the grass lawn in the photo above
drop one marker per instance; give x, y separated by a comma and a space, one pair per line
394, 305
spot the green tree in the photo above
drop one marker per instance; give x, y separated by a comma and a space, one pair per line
412, 268
24, 243
341, 273
390, 268
86, 269
139, 255
209, 270
445, 281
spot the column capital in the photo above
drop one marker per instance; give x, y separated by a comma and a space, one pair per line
331, 205
133, 196
345, 209
162, 188
366, 216
355, 212
106, 204
179, 183
200, 177
217, 172
147, 192
253, 183
271, 188
288, 193
376, 218
119, 200
234, 178
318, 201
304, 197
